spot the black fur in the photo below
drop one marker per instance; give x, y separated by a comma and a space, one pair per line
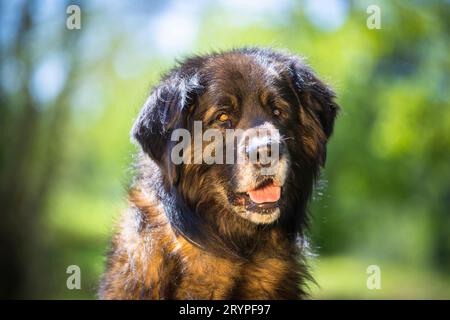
173, 104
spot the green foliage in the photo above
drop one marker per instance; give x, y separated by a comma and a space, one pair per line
384, 197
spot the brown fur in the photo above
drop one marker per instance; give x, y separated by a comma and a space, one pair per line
181, 237
146, 257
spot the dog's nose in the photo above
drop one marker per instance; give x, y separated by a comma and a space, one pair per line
263, 151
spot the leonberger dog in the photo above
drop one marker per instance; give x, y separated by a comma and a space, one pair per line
221, 230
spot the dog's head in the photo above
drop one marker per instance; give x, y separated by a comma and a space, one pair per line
239, 138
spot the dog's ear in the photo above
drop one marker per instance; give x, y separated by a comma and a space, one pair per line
315, 96
317, 100
164, 111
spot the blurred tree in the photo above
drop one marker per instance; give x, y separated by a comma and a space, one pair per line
30, 146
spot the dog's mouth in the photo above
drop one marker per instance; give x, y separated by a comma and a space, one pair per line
263, 199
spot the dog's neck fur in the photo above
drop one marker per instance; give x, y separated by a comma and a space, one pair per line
149, 259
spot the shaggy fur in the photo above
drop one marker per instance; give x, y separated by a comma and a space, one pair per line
181, 237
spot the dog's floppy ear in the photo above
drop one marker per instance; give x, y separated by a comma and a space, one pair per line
163, 112
317, 106
314, 95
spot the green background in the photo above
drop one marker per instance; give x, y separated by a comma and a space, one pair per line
69, 97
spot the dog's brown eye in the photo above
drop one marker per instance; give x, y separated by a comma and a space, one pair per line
276, 112
223, 117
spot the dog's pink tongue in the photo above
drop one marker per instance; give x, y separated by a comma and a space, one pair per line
269, 193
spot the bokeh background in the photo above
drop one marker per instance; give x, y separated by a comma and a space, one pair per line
69, 97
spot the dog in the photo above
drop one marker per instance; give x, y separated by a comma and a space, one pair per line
220, 230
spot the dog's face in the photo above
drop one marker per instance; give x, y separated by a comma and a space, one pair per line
266, 107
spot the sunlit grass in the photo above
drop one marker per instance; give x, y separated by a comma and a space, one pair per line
345, 277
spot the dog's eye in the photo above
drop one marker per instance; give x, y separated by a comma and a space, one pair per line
276, 112
223, 117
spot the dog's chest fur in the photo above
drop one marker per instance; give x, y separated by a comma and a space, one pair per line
149, 261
